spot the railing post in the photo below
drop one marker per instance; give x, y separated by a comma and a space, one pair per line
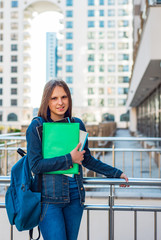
155, 225
113, 155
11, 232
135, 225
111, 215
5, 159
87, 224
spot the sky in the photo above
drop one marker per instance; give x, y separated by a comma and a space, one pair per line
42, 23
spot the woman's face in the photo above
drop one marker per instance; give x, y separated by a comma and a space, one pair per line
58, 103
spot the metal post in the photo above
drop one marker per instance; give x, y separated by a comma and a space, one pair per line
132, 165
11, 232
87, 224
140, 164
155, 225
150, 163
135, 225
123, 162
111, 215
159, 164
113, 155
5, 159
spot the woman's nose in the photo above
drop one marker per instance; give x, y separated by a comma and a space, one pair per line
60, 101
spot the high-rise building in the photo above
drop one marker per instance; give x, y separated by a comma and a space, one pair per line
94, 56
51, 56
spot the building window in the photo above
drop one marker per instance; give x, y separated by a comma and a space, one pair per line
69, 68
101, 91
123, 57
122, 12
14, 26
69, 3
123, 2
123, 68
69, 46
71, 90
101, 13
101, 80
101, 24
121, 102
1, 91
111, 102
69, 24
111, 23
123, 23
14, 37
90, 57
111, 12
14, 4
1, 47
1, 80
69, 35
91, 46
12, 117
14, 47
111, 57
13, 80
111, 79
101, 57
1, 36
14, 58
13, 69
101, 68
1, 102
13, 91
1, 26
91, 35
123, 45
111, 68
90, 13
111, 2
101, 46
110, 34
14, 15
1, 58
69, 13
69, 79
91, 102
123, 79
69, 58
90, 68
91, 3
123, 34
13, 102
1, 69
91, 24
101, 2
111, 90
91, 79
101, 103
91, 91
111, 45
101, 35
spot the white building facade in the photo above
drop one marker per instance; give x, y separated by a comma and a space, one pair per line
95, 56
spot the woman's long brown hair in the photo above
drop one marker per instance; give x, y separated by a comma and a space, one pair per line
48, 89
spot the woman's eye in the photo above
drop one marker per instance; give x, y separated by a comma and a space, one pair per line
54, 98
64, 96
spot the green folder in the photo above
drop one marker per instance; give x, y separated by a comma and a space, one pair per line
60, 139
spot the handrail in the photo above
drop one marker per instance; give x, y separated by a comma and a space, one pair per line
111, 207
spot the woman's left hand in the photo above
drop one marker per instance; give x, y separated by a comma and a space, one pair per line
123, 176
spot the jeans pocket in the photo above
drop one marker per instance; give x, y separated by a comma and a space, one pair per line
44, 209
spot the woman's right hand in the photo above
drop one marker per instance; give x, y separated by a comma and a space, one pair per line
77, 156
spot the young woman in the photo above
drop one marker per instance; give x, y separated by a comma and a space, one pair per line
62, 196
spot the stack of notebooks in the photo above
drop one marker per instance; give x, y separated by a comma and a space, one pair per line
59, 139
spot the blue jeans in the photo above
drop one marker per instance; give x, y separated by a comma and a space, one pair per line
61, 221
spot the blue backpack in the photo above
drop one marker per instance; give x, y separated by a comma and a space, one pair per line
22, 204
